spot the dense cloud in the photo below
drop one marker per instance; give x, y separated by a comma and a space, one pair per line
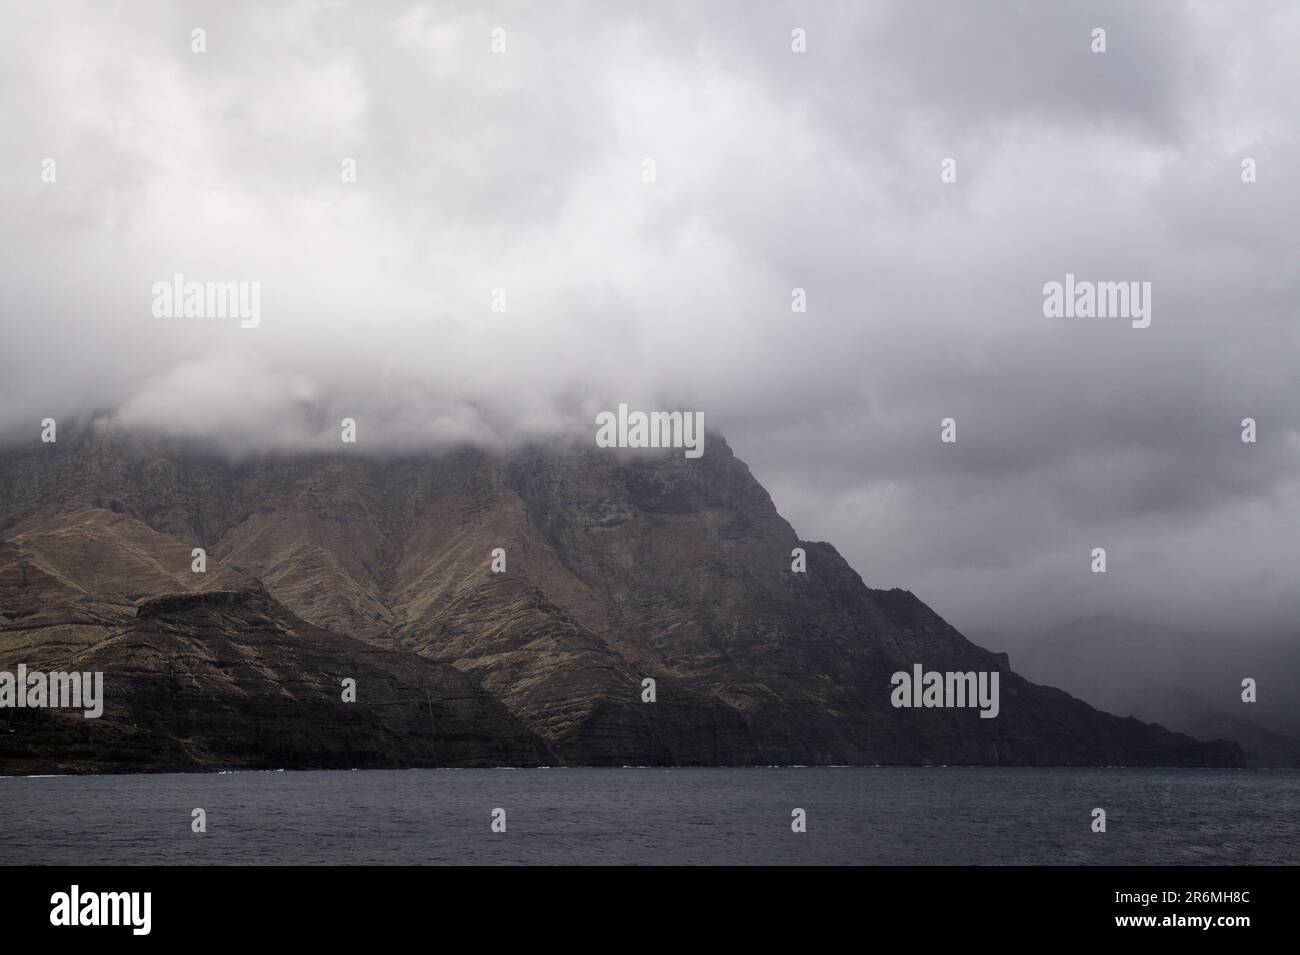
522, 170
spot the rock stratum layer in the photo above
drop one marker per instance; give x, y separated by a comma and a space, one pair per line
619, 567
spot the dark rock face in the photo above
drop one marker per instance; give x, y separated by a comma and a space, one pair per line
233, 679
619, 568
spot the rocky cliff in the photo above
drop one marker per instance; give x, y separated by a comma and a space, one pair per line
618, 568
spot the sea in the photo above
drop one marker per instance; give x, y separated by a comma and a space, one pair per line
777, 815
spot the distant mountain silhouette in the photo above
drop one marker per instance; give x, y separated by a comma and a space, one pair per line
1187, 681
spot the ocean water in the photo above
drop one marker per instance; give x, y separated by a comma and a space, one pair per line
719, 816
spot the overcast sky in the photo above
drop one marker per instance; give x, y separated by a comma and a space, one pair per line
523, 170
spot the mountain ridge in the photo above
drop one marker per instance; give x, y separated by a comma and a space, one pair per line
619, 568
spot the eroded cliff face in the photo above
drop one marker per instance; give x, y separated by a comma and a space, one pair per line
205, 670
619, 568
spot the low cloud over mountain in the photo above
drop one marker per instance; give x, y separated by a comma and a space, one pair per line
524, 171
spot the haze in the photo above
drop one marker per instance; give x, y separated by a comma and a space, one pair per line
523, 171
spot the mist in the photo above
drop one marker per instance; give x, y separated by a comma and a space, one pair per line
501, 270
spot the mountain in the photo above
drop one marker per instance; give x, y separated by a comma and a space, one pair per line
200, 676
1186, 680
619, 567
